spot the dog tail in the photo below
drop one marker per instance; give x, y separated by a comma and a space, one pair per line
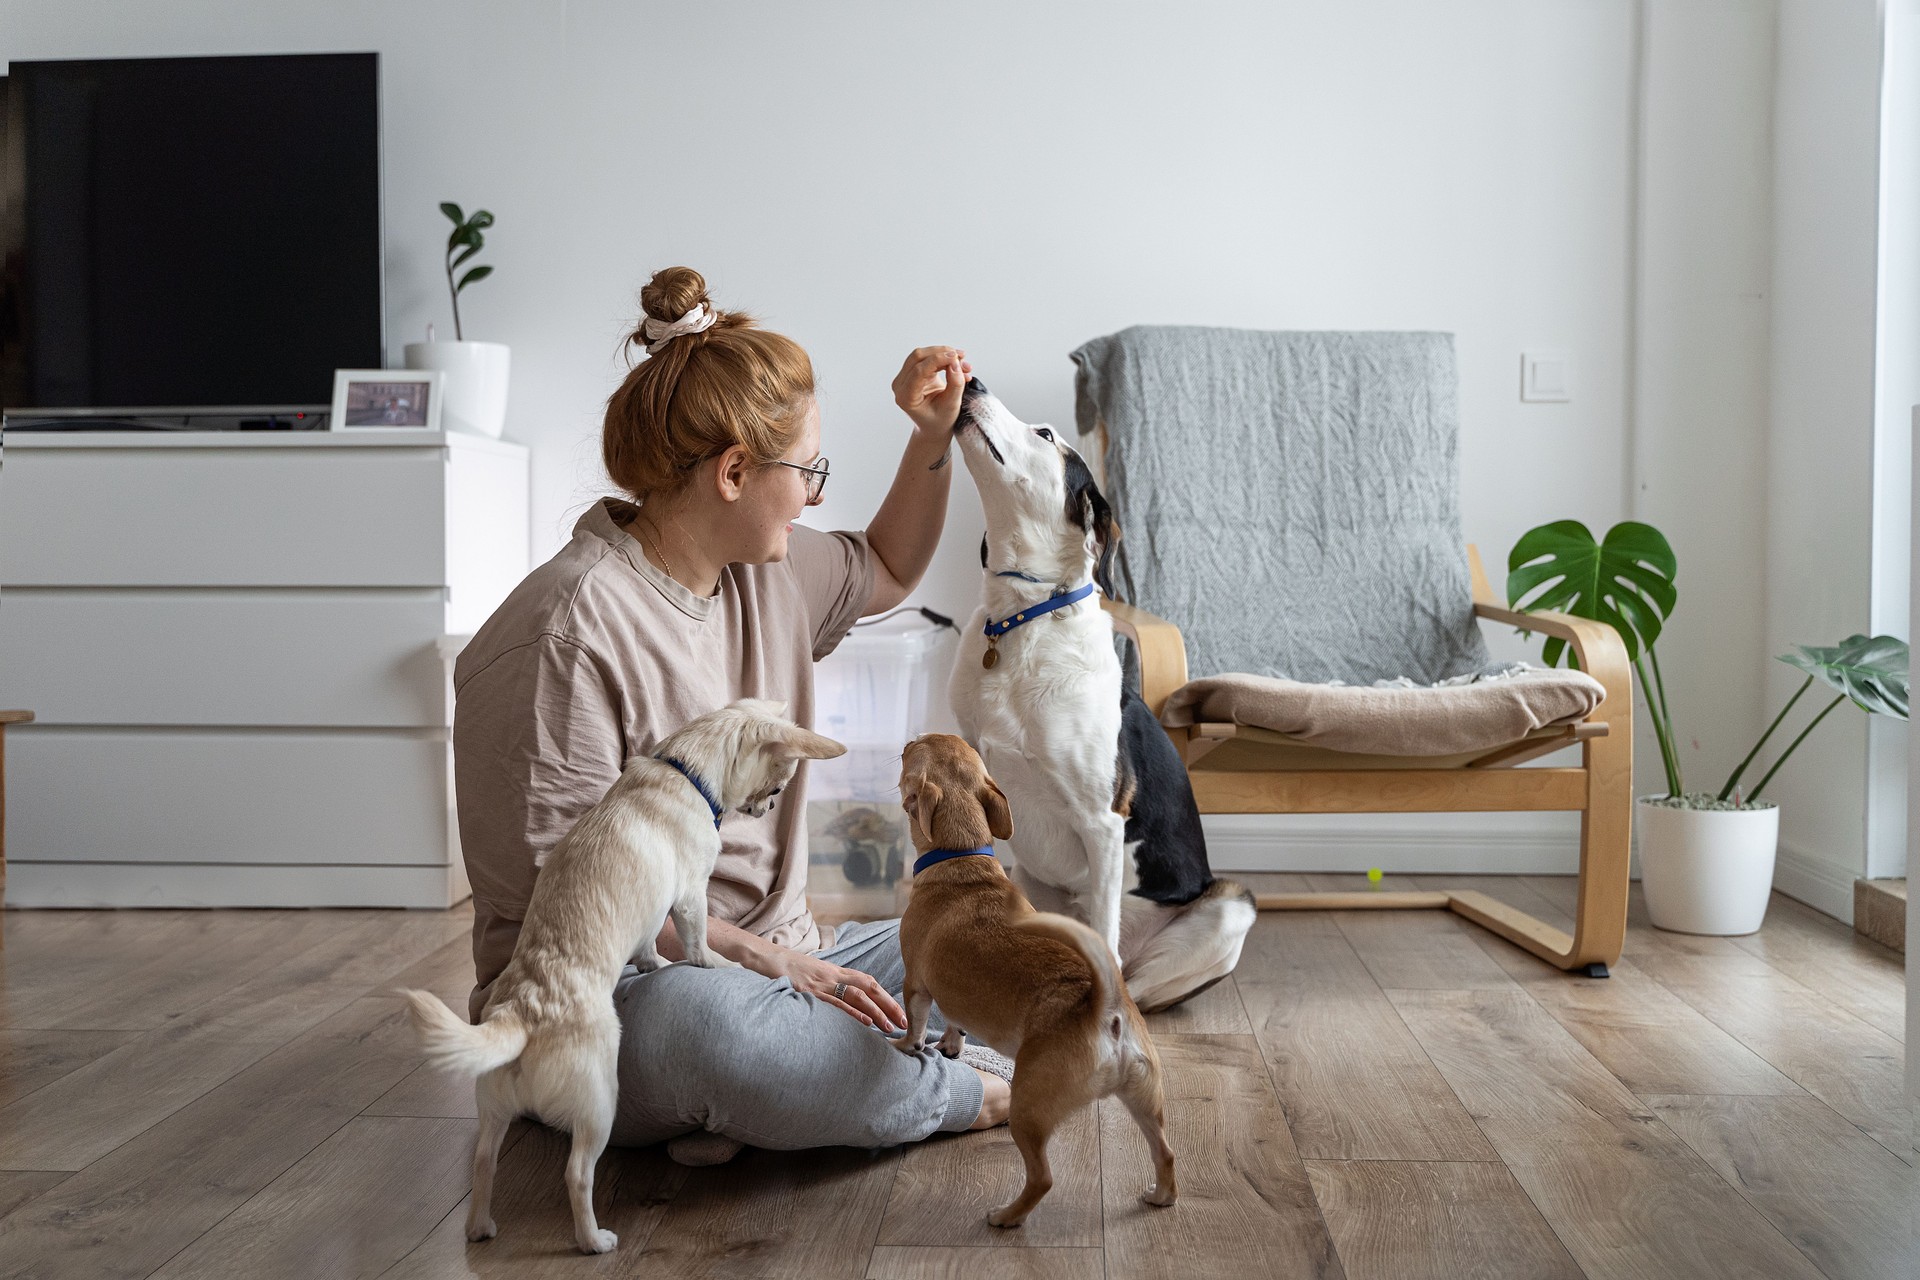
451, 1043
1108, 986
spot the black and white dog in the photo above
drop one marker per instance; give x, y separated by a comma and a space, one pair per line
1105, 824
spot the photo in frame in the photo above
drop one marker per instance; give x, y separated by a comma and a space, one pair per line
386, 399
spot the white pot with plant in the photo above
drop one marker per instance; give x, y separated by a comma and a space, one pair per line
1706, 858
476, 381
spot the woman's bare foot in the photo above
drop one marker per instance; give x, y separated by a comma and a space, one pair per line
995, 1100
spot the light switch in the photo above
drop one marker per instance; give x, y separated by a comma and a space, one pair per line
1545, 377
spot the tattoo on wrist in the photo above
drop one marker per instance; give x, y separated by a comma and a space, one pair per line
941, 461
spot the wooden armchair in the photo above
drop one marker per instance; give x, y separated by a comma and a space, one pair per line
1240, 769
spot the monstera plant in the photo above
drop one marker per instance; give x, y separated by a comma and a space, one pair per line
1706, 857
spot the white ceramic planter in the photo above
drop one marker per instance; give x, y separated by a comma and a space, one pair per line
476, 382
1706, 871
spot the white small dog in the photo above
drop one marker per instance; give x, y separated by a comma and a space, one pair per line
548, 1040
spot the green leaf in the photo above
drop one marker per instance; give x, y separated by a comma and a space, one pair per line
465, 253
1625, 581
452, 210
480, 220
1870, 670
478, 273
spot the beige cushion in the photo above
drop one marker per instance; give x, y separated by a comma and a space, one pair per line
1394, 720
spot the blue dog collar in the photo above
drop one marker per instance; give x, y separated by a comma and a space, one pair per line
994, 630
698, 785
932, 856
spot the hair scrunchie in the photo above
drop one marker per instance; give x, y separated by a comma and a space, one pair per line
661, 332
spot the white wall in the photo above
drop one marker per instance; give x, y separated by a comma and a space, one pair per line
1697, 448
1016, 180
1819, 496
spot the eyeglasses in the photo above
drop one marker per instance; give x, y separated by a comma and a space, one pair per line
816, 474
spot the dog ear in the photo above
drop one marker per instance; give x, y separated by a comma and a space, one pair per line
795, 743
1087, 508
921, 802
993, 802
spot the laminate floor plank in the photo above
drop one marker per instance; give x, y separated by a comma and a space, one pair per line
128, 1211
931, 1262
1817, 951
1215, 1011
205, 958
1246, 1205
1414, 949
60, 962
947, 1185
1355, 1083
17, 1187
1626, 1197
1516, 961
354, 1206
631, 1189
95, 1108
32, 1058
428, 1093
775, 1215
1410, 1220
1651, 1040
1848, 1204
1854, 1068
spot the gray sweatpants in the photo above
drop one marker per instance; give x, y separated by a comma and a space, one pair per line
734, 1052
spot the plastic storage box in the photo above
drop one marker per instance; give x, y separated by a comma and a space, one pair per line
884, 685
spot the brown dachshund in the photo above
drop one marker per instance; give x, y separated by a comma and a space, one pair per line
1043, 989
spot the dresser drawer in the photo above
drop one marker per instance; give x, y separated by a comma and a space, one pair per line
221, 657
226, 796
284, 517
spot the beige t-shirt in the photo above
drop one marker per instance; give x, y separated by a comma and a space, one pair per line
593, 659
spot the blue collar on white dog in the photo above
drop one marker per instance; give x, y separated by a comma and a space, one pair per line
698, 785
932, 856
995, 630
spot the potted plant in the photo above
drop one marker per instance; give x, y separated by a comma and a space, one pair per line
1706, 858
476, 381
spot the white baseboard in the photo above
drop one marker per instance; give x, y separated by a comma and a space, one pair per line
1407, 843
1825, 886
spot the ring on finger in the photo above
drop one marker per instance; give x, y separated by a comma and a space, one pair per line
839, 991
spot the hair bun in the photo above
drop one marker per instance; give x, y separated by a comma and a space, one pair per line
672, 293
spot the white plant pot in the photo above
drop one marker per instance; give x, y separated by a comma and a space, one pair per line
475, 399
1705, 870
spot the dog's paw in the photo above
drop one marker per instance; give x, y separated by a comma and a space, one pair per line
953, 1042
600, 1241
1159, 1197
478, 1231
714, 960
1005, 1216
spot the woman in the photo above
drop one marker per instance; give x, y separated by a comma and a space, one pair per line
696, 591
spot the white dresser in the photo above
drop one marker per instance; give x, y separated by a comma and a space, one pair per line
232, 642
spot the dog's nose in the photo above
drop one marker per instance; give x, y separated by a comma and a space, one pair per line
975, 387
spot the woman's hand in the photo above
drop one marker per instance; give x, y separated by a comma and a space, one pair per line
929, 386
858, 995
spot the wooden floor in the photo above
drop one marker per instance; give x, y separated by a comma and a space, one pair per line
1374, 1094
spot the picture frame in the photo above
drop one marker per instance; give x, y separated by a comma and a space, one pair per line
386, 399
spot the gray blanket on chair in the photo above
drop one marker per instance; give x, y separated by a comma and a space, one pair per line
1290, 500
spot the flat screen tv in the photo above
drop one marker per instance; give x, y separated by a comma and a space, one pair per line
188, 241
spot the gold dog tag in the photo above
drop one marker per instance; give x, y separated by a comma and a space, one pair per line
991, 656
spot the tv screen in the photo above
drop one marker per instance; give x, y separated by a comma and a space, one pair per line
190, 232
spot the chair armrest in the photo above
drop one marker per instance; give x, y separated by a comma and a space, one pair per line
1596, 646
1163, 654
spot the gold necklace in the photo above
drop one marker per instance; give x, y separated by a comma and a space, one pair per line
664, 562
